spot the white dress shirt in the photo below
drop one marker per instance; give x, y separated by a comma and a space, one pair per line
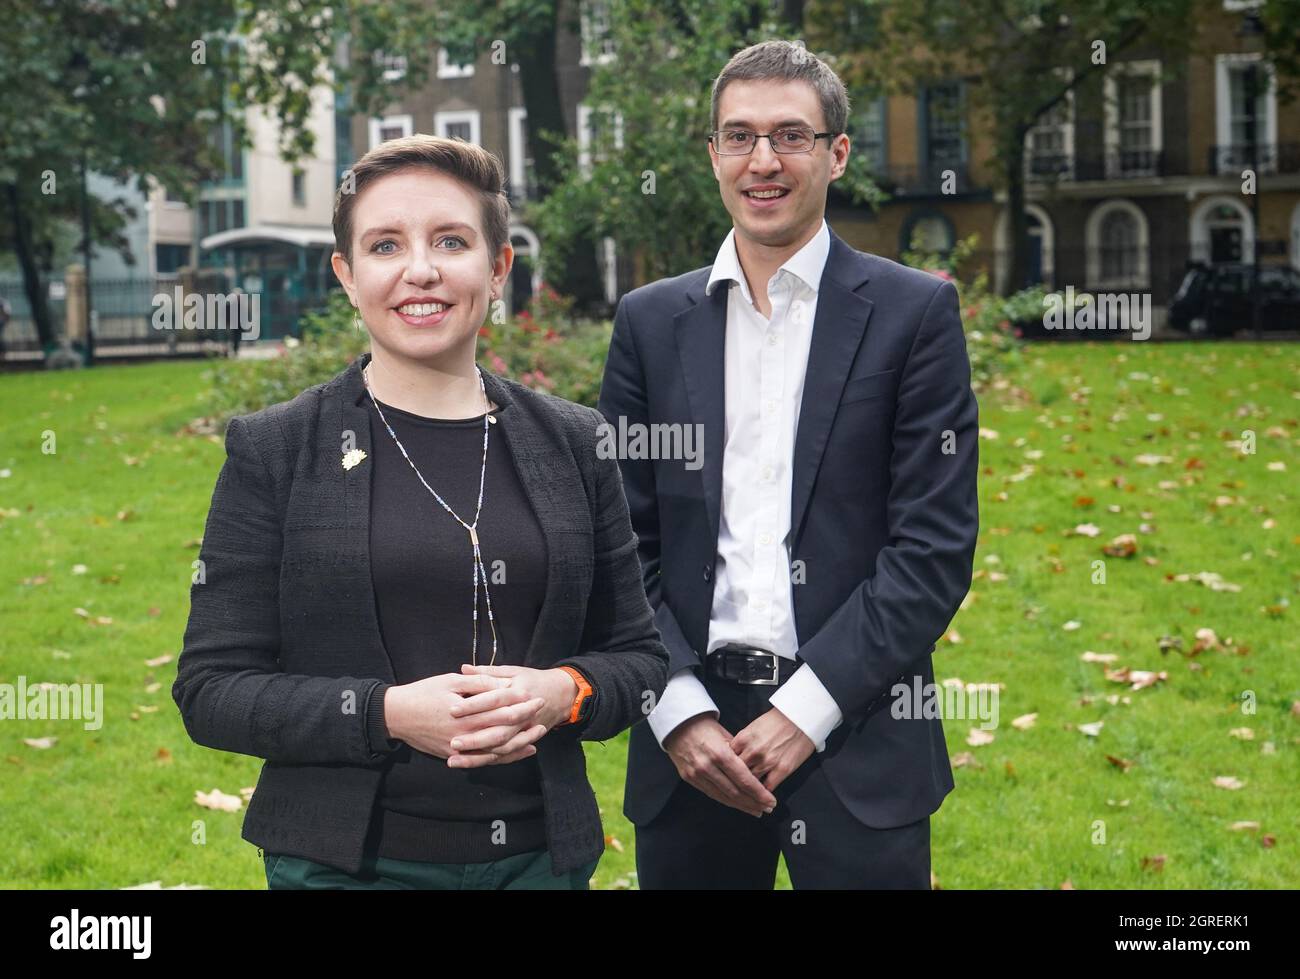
753, 604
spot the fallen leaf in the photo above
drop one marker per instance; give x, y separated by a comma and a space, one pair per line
1093, 729
1024, 722
1228, 782
41, 743
1090, 657
216, 799
979, 737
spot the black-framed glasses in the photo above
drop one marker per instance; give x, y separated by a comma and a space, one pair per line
741, 142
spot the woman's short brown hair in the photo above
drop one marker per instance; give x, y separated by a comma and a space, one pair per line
469, 163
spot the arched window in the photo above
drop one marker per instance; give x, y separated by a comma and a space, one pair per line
1118, 247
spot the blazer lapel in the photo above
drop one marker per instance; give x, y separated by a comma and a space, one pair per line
838, 328
701, 338
352, 422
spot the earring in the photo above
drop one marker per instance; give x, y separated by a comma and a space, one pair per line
356, 321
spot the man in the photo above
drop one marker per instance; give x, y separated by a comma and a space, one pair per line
812, 561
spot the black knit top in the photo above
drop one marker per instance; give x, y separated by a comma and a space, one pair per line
422, 571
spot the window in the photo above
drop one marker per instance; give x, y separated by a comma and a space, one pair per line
1133, 129
448, 69
389, 127
1244, 125
299, 189
927, 232
169, 259
521, 164
226, 142
599, 130
1118, 243
597, 40
393, 65
1049, 146
867, 134
945, 142
221, 214
462, 124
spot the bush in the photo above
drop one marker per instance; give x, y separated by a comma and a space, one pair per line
541, 347
993, 341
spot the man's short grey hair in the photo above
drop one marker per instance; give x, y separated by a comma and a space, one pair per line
786, 61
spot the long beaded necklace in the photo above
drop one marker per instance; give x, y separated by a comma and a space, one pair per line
479, 569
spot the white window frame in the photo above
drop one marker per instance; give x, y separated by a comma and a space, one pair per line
441, 120
584, 136
1223, 103
1067, 143
393, 74
377, 123
1141, 277
586, 59
447, 70
1149, 67
517, 119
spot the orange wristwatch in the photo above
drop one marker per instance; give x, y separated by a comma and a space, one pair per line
583, 701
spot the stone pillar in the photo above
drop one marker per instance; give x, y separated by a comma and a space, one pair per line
74, 309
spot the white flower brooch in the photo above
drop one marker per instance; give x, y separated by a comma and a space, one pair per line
352, 458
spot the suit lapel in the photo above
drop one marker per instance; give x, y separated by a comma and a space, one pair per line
838, 328
701, 334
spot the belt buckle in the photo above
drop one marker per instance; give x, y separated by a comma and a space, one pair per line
775, 678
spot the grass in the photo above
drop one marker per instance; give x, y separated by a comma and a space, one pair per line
125, 495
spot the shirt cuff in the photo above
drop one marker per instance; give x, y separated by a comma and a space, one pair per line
804, 700
684, 697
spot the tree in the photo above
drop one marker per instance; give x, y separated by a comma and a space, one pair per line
133, 89
656, 195
1023, 57
525, 32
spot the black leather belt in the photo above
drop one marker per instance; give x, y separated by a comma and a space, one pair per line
744, 664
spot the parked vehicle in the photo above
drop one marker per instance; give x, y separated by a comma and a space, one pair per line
1215, 300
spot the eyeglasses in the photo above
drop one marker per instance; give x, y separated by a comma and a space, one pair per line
741, 142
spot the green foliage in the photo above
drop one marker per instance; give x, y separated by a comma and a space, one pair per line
542, 347
656, 194
992, 339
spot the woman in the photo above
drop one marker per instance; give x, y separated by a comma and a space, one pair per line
420, 586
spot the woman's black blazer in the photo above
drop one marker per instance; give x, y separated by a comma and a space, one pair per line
282, 650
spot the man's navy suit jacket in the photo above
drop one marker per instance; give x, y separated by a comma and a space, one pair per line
884, 515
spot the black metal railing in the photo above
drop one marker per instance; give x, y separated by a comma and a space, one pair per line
1230, 159
925, 179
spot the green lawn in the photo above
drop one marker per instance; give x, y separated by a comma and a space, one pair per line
125, 495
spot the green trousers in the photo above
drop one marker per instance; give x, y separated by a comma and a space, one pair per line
523, 871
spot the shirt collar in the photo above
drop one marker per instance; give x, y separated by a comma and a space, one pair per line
807, 264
